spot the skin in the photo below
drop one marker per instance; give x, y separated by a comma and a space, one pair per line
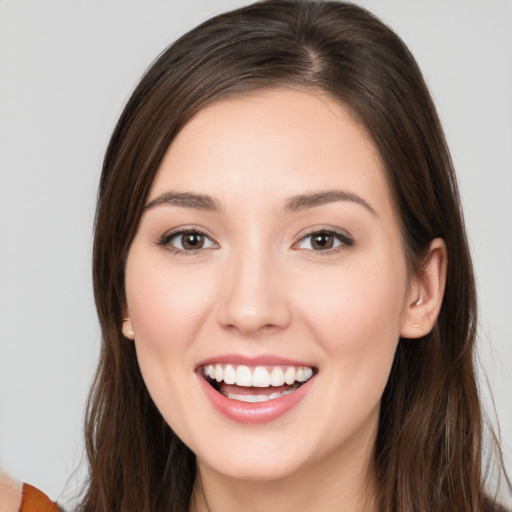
259, 287
10, 494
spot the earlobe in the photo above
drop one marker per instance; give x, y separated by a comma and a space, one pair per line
127, 327
425, 296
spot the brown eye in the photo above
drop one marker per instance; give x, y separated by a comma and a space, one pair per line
187, 241
322, 241
192, 241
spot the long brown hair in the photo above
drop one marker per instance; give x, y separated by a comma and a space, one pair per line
428, 453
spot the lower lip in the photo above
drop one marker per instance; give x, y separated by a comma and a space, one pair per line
254, 413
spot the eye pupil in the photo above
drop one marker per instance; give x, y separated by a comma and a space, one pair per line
191, 241
322, 241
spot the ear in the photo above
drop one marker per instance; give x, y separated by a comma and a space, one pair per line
127, 324
426, 293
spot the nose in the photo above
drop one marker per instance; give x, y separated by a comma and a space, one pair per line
253, 299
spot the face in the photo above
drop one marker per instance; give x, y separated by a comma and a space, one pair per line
267, 285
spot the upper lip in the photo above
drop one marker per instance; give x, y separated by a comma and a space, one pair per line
261, 360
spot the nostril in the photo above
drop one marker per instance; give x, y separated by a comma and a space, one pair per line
253, 322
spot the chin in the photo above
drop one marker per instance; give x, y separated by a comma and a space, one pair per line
261, 468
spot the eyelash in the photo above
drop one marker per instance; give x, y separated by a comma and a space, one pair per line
165, 241
344, 241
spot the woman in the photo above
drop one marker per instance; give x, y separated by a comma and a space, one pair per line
283, 280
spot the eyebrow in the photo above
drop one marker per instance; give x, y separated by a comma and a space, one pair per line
185, 200
306, 201
293, 204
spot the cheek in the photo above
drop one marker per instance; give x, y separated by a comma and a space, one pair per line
165, 306
359, 311
167, 309
356, 322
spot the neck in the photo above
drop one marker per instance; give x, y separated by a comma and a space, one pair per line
340, 483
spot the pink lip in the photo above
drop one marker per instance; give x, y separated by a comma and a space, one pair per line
254, 413
263, 360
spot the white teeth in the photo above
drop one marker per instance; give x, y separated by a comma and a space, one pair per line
258, 398
289, 375
277, 377
249, 398
243, 376
229, 374
259, 376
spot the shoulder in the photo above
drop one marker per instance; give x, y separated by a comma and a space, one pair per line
33, 500
10, 494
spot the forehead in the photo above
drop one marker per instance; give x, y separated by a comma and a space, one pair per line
273, 143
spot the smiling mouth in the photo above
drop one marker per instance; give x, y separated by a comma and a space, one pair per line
255, 384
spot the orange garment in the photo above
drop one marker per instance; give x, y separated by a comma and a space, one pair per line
33, 500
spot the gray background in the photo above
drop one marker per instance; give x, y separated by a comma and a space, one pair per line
66, 69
